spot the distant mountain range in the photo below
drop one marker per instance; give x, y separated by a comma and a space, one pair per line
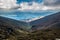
48, 22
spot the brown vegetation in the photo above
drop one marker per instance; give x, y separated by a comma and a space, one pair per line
14, 34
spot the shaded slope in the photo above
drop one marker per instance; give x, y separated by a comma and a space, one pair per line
14, 23
46, 22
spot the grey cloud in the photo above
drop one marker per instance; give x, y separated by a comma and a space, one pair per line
52, 2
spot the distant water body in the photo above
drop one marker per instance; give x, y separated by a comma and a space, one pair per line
19, 15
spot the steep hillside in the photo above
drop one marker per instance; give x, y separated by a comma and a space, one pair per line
51, 21
14, 23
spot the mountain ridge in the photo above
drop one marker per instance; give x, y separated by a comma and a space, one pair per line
46, 21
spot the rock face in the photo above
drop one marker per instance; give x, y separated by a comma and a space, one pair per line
48, 22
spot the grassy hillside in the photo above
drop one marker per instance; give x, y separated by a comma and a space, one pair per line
15, 34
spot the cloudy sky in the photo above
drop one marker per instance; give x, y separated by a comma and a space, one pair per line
30, 4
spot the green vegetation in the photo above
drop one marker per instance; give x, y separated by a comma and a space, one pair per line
15, 34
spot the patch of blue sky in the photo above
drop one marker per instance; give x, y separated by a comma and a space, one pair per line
39, 1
